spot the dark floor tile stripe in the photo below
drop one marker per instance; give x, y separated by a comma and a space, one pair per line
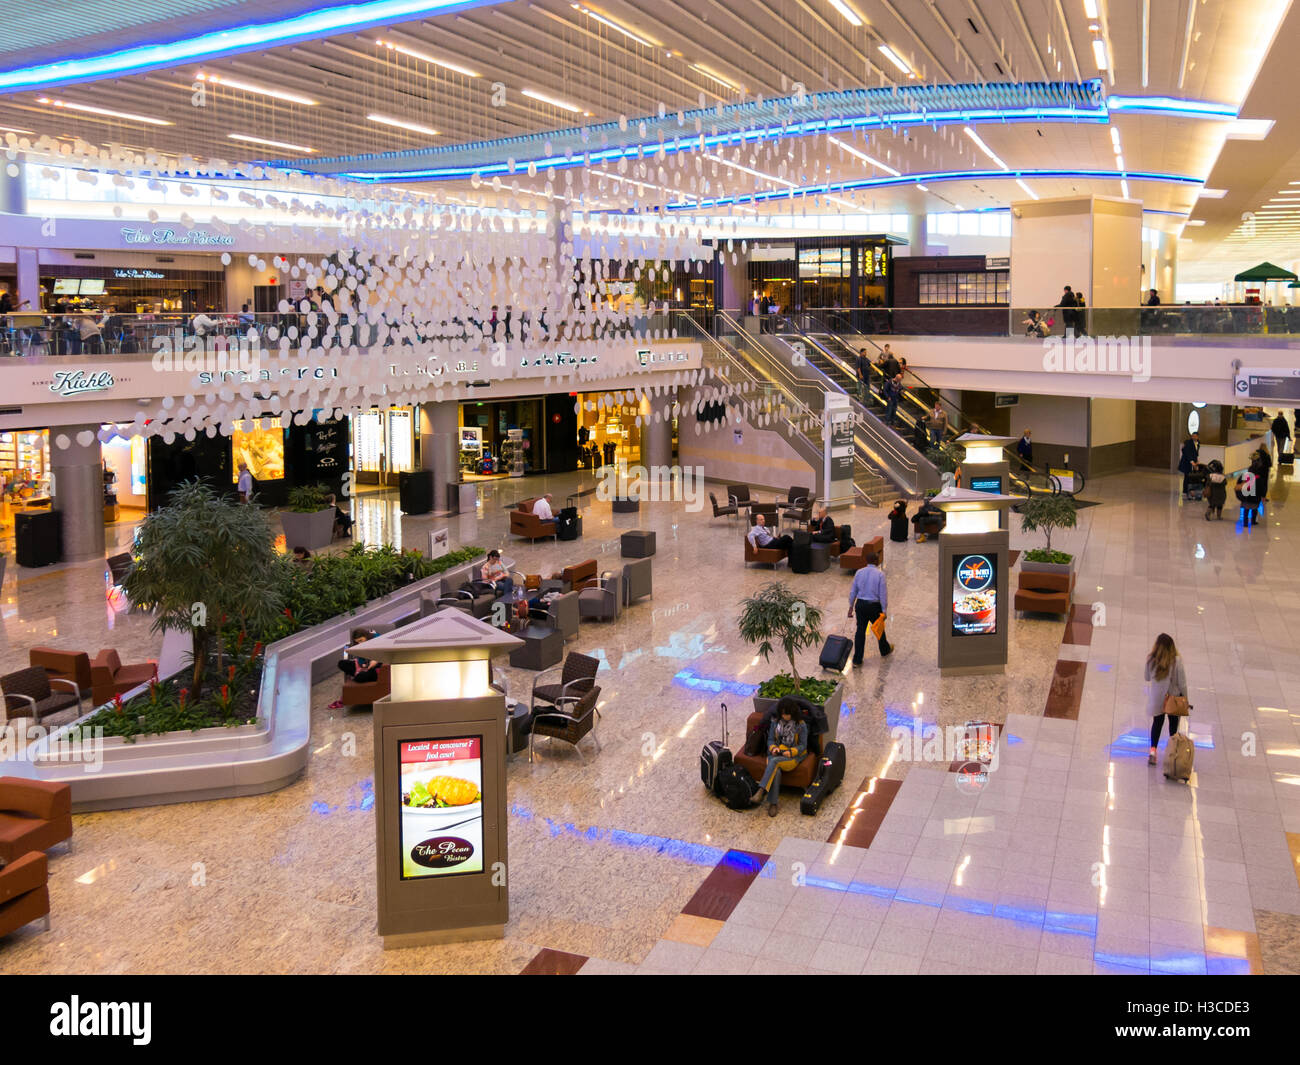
1066, 692
860, 822
548, 962
723, 888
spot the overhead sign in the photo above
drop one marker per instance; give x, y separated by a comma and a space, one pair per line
1006, 400
78, 382
133, 274
169, 237
998, 262
1281, 384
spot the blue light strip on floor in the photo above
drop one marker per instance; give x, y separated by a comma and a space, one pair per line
323, 22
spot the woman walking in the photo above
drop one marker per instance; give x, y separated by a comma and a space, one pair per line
1165, 679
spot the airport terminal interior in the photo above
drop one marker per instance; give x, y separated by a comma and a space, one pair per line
741, 486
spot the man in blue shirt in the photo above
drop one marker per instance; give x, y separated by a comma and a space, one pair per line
761, 536
869, 599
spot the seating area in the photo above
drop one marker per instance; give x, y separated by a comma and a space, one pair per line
1044, 593
34, 817
56, 680
527, 525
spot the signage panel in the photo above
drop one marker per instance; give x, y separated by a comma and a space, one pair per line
441, 794
974, 595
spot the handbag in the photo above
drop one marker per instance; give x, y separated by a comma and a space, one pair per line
1176, 705
878, 628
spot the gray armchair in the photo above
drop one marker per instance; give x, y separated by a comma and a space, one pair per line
480, 596
564, 614
604, 599
798, 506
637, 580
30, 691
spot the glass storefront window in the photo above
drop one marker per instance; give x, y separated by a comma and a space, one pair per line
401, 440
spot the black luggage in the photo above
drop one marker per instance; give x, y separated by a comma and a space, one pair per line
830, 774
715, 757
566, 527
736, 787
835, 653
846, 538
1286, 458
799, 556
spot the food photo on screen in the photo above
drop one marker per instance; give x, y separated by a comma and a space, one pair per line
974, 596
441, 785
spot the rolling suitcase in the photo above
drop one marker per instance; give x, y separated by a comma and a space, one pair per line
1180, 753
1286, 458
830, 774
800, 553
835, 654
566, 527
715, 757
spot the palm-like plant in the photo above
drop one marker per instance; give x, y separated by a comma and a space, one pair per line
776, 616
201, 560
1044, 513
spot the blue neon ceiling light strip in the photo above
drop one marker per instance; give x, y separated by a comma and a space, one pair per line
833, 188
319, 23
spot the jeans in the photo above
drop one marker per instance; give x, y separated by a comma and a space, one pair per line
1159, 720
867, 611
891, 410
936, 436
771, 782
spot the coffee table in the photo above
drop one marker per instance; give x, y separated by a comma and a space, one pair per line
543, 647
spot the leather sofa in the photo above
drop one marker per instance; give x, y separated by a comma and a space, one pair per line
638, 580
753, 755
1044, 593
364, 694
24, 892
63, 665
855, 558
524, 523
35, 815
767, 556
108, 677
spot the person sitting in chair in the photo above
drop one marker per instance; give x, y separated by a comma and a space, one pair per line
761, 536
823, 528
362, 670
342, 523
542, 508
928, 520
787, 743
496, 574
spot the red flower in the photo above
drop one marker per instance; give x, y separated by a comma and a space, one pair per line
185, 694
117, 705
288, 613
225, 693
230, 673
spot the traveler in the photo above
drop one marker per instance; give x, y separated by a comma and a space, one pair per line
761, 536
929, 519
937, 424
898, 522
1153, 298
823, 528
362, 670
1281, 434
1187, 460
787, 743
302, 556
496, 574
1025, 449
862, 366
891, 365
1247, 492
245, 483
342, 523
1216, 490
1165, 677
492, 322
1067, 303
869, 600
893, 389
1080, 315
1261, 465
542, 507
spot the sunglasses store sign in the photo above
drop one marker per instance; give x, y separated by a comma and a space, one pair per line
167, 237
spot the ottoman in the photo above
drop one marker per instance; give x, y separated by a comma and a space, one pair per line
852, 560
543, 647
639, 543
821, 558
626, 504
878, 546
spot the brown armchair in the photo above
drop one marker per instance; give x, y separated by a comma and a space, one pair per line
523, 522
35, 815
30, 691
753, 755
566, 710
767, 556
109, 677
63, 665
1044, 593
24, 892
364, 693
578, 577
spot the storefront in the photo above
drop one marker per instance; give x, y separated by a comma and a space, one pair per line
383, 445
823, 272
489, 448
160, 289
612, 435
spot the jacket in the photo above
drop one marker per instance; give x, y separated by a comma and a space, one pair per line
800, 732
1191, 449
1175, 682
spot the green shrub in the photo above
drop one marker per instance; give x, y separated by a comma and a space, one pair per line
1039, 554
308, 498
777, 617
1044, 513
815, 691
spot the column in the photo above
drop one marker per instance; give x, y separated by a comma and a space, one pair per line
29, 279
657, 435
13, 190
78, 493
440, 447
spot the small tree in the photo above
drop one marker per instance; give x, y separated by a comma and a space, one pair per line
202, 559
1044, 513
777, 616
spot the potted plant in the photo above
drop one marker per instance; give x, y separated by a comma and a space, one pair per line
777, 617
309, 521
1045, 513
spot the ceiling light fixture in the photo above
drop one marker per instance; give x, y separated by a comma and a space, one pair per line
849, 14
1114, 137
1196, 221
248, 138
1028, 191
424, 57
563, 105
921, 187
894, 58
1212, 194
1090, 8
1119, 162
1249, 129
384, 120
605, 20
69, 105
259, 90
1099, 52
864, 156
1123, 188
984, 147
710, 73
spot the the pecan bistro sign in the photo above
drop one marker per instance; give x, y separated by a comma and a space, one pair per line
170, 237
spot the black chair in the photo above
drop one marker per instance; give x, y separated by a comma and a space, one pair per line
798, 506
729, 512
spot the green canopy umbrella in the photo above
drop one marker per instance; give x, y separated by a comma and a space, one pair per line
1266, 272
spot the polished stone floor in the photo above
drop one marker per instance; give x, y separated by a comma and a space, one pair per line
1073, 855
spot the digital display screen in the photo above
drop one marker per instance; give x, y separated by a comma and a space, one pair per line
66, 286
261, 449
441, 784
986, 484
974, 596
92, 286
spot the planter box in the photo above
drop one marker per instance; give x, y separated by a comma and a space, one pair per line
831, 707
312, 531
1062, 568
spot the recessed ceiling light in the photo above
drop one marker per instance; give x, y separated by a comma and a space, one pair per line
849, 14
1123, 188
864, 156
248, 138
1196, 221
1119, 162
1028, 191
424, 57
414, 127
1099, 52
605, 20
260, 90
69, 105
1212, 194
1249, 129
1114, 137
894, 58
984, 147
709, 72
563, 105
1090, 8
921, 187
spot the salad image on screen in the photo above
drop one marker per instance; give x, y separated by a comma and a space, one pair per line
441, 783
974, 596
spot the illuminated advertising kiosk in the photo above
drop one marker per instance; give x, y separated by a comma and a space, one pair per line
985, 467
974, 608
440, 784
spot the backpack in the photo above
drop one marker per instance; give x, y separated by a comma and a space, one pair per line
736, 787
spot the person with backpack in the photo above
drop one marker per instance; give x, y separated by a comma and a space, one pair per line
1281, 434
787, 743
1165, 678
1216, 490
